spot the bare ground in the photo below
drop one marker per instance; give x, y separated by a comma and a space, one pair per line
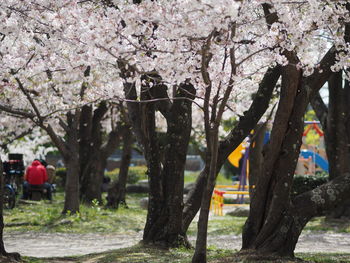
58, 244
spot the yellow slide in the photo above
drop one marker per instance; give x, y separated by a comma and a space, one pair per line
236, 155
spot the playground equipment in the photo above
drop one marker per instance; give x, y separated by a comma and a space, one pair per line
238, 158
309, 158
316, 158
217, 202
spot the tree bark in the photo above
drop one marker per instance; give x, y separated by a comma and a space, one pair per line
164, 223
256, 155
275, 222
269, 205
71, 160
15, 256
92, 164
116, 193
336, 138
200, 254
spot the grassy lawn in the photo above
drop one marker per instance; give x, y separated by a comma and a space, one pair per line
191, 177
46, 217
142, 254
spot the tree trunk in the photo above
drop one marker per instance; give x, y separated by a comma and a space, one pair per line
269, 211
116, 193
164, 222
3, 252
200, 254
256, 155
71, 160
92, 161
275, 221
336, 138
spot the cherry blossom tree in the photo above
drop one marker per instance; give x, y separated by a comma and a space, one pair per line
276, 221
165, 57
47, 80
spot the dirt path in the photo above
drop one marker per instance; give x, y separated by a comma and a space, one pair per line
59, 245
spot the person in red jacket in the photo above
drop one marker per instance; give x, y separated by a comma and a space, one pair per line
36, 175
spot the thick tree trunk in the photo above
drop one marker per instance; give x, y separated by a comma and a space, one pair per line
116, 193
335, 121
165, 164
275, 221
71, 160
269, 228
256, 155
336, 138
92, 161
3, 252
165, 226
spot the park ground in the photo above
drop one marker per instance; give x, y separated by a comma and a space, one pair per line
96, 235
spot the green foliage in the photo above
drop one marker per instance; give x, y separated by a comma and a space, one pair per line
135, 174
191, 177
229, 124
60, 178
229, 170
304, 183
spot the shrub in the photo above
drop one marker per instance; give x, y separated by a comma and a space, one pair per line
135, 174
60, 179
304, 183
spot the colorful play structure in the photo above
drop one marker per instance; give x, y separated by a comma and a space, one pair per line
311, 159
240, 159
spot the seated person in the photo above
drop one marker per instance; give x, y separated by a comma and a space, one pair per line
51, 174
36, 175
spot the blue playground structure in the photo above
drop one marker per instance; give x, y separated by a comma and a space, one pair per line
316, 158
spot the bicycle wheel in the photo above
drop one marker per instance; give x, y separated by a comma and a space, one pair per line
9, 198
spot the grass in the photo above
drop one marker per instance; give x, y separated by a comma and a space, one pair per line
321, 224
138, 254
226, 225
191, 177
143, 254
45, 217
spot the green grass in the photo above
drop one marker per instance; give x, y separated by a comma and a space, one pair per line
139, 254
144, 254
226, 225
191, 177
325, 257
45, 217
321, 224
